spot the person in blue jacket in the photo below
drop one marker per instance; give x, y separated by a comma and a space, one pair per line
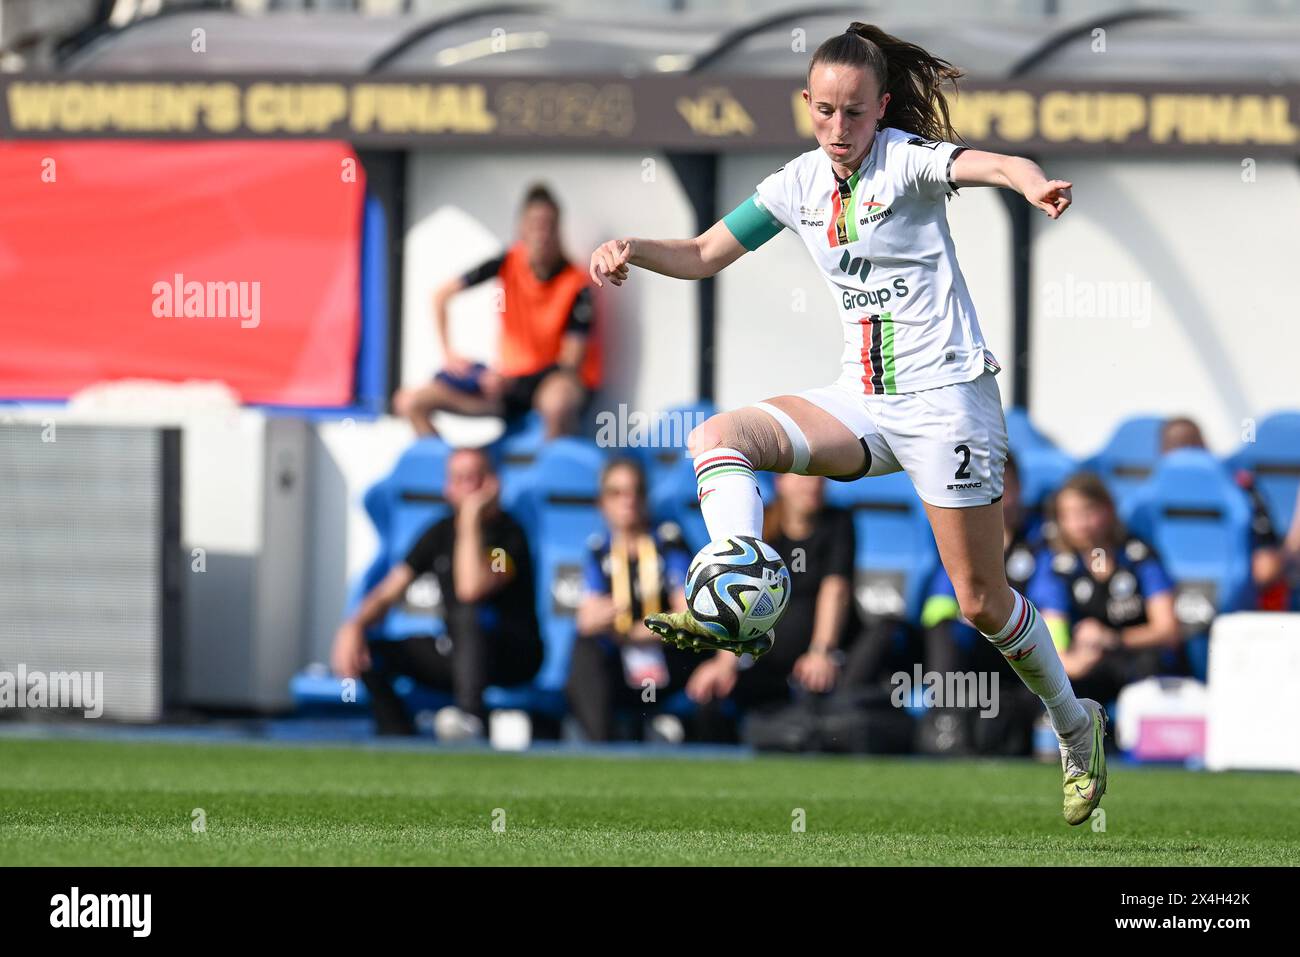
1107, 600
632, 570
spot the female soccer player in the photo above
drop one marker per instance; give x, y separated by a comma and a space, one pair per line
917, 391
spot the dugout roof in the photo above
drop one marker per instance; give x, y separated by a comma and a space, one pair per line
1146, 45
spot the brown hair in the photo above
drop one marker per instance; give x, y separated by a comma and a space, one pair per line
540, 193
1170, 428
774, 517
625, 462
1091, 487
912, 77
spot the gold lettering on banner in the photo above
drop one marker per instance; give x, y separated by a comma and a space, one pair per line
1006, 115
564, 109
1197, 118
294, 107
1060, 118
802, 121
715, 112
1090, 117
128, 107
420, 108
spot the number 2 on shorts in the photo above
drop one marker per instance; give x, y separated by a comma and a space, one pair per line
963, 470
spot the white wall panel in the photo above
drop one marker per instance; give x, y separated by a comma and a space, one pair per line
1167, 288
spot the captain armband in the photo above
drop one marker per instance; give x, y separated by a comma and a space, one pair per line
751, 223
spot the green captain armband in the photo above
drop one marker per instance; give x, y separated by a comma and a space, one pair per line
752, 224
938, 609
1059, 629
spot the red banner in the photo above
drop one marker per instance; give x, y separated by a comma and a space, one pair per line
234, 261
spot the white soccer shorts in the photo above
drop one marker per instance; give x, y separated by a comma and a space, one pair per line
951, 441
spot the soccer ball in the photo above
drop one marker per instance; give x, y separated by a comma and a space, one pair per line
738, 588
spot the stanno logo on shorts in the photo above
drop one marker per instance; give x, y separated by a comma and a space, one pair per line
953, 485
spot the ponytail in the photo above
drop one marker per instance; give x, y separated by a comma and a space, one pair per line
912, 77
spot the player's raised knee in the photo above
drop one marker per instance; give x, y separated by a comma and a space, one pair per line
710, 434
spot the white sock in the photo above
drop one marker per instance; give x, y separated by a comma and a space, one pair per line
1027, 645
729, 496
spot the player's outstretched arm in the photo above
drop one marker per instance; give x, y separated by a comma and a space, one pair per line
980, 168
698, 258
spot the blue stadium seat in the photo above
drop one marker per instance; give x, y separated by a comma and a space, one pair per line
515, 452
560, 500
674, 497
1198, 520
1274, 459
401, 506
895, 548
1042, 470
668, 432
1022, 433
316, 691
1129, 456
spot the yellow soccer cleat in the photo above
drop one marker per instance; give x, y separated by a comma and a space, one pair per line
1083, 766
681, 629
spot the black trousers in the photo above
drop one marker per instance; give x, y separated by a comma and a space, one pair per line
465, 666
1118, 667
878, 652
765, 686
1011, 731
597, 689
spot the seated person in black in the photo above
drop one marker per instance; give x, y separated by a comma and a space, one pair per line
953, 645
1104, 595
631, 571
817, 544
480, 560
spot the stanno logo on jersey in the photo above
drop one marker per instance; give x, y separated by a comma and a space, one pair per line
812, 215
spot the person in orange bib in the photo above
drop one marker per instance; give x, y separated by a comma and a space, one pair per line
549, 358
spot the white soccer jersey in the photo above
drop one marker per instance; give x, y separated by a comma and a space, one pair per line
882, 243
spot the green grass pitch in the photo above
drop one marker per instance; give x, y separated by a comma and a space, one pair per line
69, 802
